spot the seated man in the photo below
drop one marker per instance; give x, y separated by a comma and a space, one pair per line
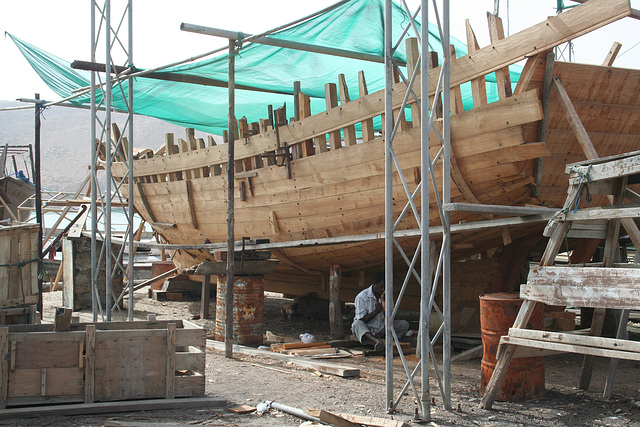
368, 324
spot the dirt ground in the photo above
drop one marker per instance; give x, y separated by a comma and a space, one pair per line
251, 380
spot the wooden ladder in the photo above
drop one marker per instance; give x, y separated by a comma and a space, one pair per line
600, 286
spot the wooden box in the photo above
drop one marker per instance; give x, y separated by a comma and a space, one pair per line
101, 362
18, 283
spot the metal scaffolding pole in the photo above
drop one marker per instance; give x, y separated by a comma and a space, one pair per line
441, 193
228, 340
118, 148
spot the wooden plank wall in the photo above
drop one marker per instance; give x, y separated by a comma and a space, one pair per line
101, 365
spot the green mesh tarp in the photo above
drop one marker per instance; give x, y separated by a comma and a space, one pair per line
357, 25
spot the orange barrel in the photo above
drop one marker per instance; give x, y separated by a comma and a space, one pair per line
248, 309
525, 377
157, 268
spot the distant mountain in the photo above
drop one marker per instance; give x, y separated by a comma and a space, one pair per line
65, 140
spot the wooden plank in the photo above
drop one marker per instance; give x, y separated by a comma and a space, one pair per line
191, 203
170, 380
123, 361
304, 111
413, 66
331, 97
89, 364
478, 86
570, 348
50, 382
145, 202
577, 339
109, 407
583, 286
42, 354
367, 125
613, 53
190, 385
374, 421
76, 229
324, 367
292, 345
18, 302
349, 131
456, 93
195, 337
503, 77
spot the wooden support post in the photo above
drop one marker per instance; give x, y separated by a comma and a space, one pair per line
478, 86
331, 97
542, 127
204, 298
608, 260
503, 77
367, 125
62, 319
613, 365
349, 131
335, 305
4, 366
89, 363
304, 111
171, 362
456, 94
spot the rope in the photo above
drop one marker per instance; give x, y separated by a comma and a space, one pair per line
583, 175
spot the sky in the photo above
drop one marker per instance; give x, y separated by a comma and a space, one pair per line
63, 29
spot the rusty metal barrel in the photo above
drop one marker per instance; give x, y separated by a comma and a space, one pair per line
248, 309
525, 377
157, 268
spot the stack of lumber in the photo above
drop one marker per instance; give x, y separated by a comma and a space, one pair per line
316, 350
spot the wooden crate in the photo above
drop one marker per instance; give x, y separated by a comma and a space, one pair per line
18, 284
101, 362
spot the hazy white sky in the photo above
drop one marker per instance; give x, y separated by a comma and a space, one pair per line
63, 28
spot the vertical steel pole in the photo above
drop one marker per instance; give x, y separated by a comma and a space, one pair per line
38, 185
109, 160
446, 198
425, 276
94, 173
130, 213
388, 198
228, 340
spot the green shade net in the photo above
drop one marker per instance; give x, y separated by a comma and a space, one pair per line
357, 26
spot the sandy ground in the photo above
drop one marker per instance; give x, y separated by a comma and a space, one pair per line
250, 380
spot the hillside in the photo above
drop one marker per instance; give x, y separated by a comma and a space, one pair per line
65, 137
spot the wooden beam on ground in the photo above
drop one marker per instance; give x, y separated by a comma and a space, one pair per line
324, 367
112, 407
